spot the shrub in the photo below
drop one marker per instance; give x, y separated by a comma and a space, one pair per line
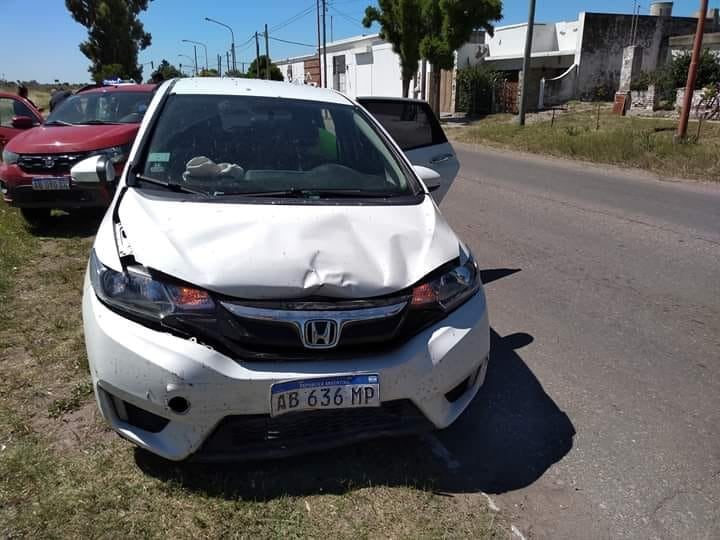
475, 89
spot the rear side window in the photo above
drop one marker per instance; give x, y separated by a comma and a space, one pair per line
411, 124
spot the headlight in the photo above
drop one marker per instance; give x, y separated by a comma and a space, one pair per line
449, 289
139, 294
9, 157
116, 154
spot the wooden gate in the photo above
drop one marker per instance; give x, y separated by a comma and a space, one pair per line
506, 96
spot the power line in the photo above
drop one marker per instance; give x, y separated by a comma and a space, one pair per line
293, 19
292, 42
347, 17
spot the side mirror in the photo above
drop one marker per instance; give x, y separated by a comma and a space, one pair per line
93, 170
22, 122
430, 178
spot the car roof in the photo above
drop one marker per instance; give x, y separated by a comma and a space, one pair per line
231, 86
119, 88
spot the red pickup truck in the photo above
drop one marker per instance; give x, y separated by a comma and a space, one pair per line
35, 168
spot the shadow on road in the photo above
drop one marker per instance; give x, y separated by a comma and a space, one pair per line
78, 224
513, 431
510, 435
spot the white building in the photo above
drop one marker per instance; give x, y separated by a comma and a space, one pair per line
356, 66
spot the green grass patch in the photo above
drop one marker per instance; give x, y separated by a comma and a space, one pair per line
63, 475
15, 245
626, 141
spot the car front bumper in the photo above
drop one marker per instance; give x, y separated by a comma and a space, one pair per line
17, 191
229, 405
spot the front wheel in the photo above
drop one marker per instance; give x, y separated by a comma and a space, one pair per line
36, 217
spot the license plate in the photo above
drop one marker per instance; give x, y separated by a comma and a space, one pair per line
344, 392
51, 184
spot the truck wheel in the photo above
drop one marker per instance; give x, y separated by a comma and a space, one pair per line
36, 217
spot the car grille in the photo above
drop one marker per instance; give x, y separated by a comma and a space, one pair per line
262, 436
49, 163
278, 329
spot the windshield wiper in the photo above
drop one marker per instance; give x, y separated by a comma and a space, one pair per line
97, 123
172, 187
58, 123
311, 193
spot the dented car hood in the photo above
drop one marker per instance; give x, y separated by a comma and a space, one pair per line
286, 251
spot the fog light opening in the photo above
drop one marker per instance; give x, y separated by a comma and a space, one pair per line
179, 405
120, 409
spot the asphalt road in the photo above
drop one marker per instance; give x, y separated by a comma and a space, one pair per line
601, 413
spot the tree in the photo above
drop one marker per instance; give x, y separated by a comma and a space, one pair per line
448, 25
109, 71
275, 73
400, 24
234, 73
115, 35
164, 72
208, 73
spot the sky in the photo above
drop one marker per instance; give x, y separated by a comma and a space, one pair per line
40, 40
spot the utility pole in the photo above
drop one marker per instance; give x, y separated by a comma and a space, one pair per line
331, 28
257, 57
267, 55
219, 58
324, 9
227, 61
692, 72
526, 61
317, 4
195, 52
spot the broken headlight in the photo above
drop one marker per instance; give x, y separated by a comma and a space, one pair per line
138, 293
449, 288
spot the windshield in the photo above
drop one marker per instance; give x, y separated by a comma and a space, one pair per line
101, 108
239, 145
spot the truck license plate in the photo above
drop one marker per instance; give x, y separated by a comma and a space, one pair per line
343, 392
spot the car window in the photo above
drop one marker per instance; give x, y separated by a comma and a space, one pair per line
411, 124
225, 145
13, 107
102, 107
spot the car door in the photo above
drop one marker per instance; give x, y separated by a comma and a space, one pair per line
417, 131
10, 107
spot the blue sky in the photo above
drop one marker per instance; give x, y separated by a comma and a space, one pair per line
45, 39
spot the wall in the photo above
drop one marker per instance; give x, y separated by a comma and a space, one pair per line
684, 44
697, 96
644, 99
293, 71
561, 88
605, 35
566, 35
510, 40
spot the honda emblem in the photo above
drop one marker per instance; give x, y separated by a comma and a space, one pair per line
321, 334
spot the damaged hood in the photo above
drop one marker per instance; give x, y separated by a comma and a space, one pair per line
285, 251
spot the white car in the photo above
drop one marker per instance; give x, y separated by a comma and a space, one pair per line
274, 277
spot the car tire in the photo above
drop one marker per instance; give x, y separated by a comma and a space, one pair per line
36, 218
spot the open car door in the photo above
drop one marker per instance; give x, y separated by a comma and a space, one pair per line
11, 108
417, 131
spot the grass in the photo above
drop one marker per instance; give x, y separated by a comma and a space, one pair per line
40, 95
63, 474
645, 143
